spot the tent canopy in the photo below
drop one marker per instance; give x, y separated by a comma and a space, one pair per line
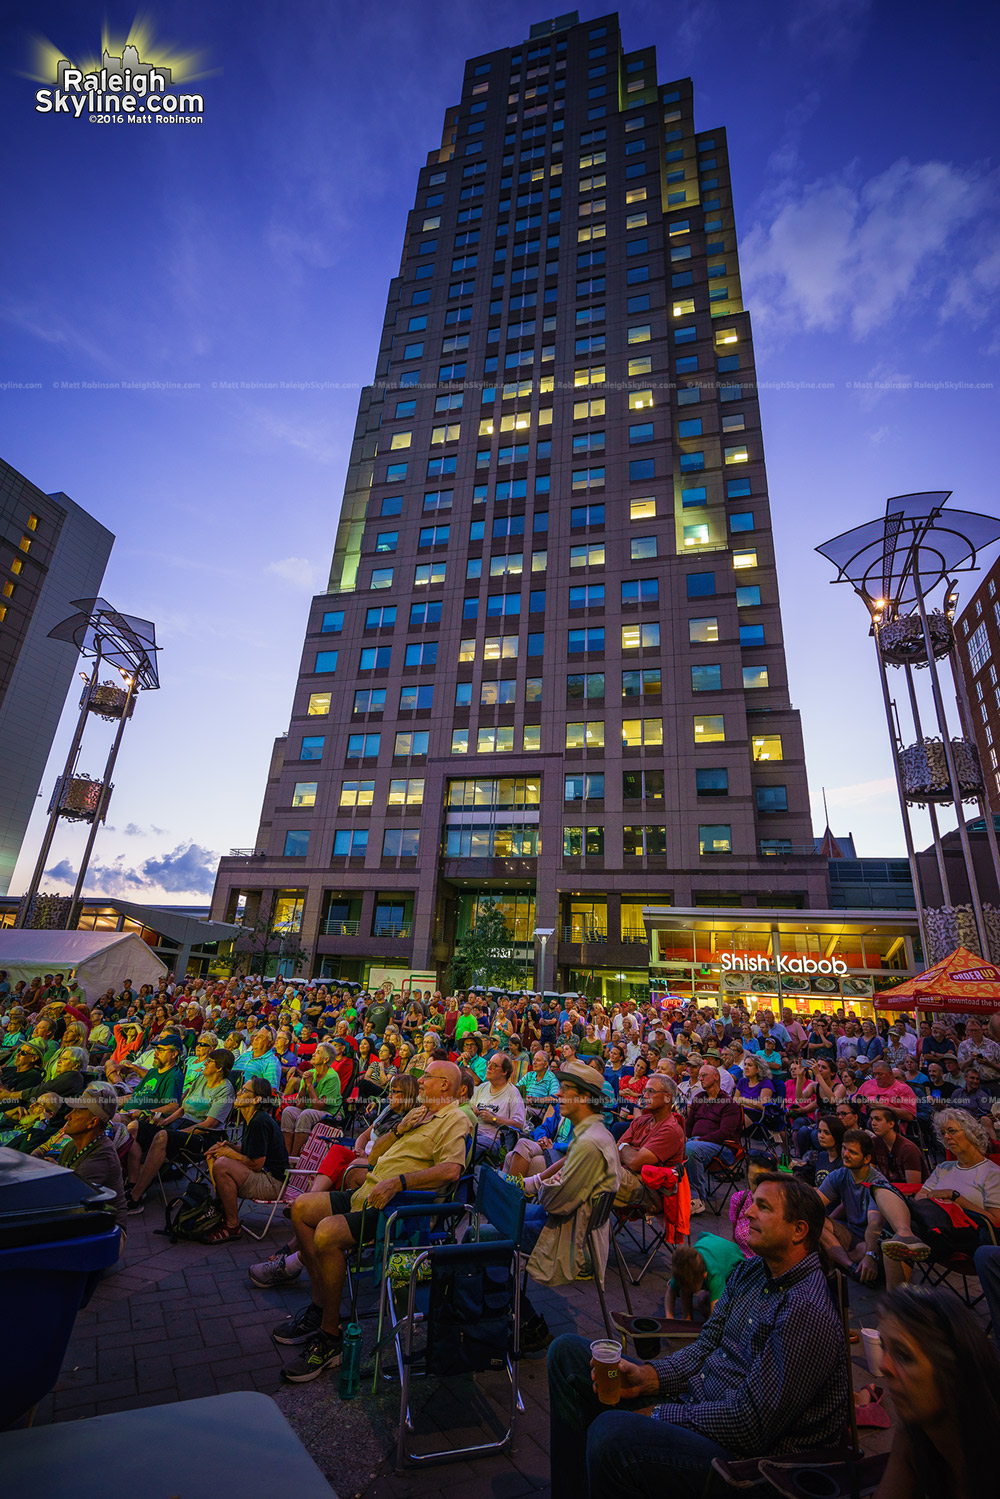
961, 981
95, 959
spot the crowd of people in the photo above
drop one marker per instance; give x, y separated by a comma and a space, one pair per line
848, 1139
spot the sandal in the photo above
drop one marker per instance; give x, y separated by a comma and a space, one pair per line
222, 1234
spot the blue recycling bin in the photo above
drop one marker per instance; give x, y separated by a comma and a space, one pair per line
53, 1250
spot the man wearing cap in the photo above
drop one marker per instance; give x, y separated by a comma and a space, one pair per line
567, 1192
157, 1095
89, 1152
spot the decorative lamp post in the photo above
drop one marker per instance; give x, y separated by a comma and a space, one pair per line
895, 564
128, 645
543, 933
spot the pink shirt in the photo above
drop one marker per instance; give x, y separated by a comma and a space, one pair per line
897, 1095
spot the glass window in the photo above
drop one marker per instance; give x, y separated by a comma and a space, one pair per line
584, 787
641, 547
304, 794
715, 838
700, 585
772, 798
751, 634
712, 781
332, 622
375, 657
642, 509
296, 845
381, 577
589, 735
369, 700
736, 455
697, 534
413, 698
638, 733
747, 595
363, 746
400, 843
311, 747
406, 793
706, 679
754, 676
411, 744
350, 843
357, 793
583, 842
319, 703
496, 740
703, 631
635, 637
746, 558
766, 747
709, 728
641, 842
326, 661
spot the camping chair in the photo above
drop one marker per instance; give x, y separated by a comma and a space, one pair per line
465, 1299
301, 1170
937, 1269
600, 1216
831, 1472
725, 1177
652, 1232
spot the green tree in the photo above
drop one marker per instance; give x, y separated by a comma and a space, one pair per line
486, 955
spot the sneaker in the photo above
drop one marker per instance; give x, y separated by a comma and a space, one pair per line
134, 1205
273, 1272
300, 1327
323, 1351
909, 1251
697, 1206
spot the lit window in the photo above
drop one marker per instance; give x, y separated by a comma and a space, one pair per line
642, 365
642, 732
450, 433
715, 838
589, 735
460, 742
640, 335
531, 738
697, 535
357, 793
500, 648
754, 676
709, 728
319, 703
401, 440
32, 522
685, 308
725, 336
582, 409
304, 794
637, 220
589, 375
736, 455
746, 558
587, 556
636, 637
703, 631
766, 747
635, 195
640, 400
642, 509
434, 223
497, 740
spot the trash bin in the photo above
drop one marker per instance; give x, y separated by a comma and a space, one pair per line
56, 1237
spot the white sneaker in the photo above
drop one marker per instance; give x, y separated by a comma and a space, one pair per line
697, 1206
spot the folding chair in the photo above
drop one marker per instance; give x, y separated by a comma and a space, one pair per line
936, 1270
626, 1220
726, 1176
296, 1179
470, 1311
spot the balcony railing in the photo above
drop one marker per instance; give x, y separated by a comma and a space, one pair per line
389, 929
334, 928
584, 934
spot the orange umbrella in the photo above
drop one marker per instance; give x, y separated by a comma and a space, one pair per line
961, 981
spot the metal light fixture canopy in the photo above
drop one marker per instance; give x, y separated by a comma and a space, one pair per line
893, 564
121, 640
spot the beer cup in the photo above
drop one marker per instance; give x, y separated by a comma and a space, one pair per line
607, 1356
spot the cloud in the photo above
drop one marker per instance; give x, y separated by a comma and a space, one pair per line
133, 830
189, 869
298, 571
828, 27
842, 253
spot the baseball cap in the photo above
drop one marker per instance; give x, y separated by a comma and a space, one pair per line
169, 1038
101, 1100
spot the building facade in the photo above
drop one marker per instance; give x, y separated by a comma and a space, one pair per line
51, 552
977, 631
549, 668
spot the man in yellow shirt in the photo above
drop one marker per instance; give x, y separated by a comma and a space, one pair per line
424, 1151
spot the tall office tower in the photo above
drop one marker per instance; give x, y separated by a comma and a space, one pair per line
978, 632
51, 552
548, 668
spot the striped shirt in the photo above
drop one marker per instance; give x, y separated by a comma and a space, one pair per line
769, 1372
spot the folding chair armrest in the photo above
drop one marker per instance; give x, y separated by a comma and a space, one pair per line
426, 1210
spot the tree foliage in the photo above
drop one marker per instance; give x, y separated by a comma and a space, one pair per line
486, 954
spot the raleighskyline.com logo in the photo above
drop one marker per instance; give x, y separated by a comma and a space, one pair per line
120, 88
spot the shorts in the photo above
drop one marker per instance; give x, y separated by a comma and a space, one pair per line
366, 1222
261, 1186
145, 1131
178, 1140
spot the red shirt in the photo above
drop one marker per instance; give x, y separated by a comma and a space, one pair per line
665, 1140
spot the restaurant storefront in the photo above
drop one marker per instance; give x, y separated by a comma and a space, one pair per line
807, 960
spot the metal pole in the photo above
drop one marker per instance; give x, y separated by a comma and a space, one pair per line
965, 719
949, 755
102, 809
50, 830
903, 807
932, 810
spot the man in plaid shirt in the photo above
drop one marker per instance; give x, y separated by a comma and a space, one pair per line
767, 1375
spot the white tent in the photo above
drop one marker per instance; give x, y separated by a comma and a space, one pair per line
95, 959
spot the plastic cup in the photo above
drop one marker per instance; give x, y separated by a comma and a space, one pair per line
872, 1344
607, 1357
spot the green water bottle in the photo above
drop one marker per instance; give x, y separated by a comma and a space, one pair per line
350, 1363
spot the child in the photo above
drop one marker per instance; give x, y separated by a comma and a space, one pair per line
740, 1201
700, 1272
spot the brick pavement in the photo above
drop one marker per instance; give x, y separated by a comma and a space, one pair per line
176, 1322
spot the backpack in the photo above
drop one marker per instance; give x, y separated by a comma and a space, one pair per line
189, 1218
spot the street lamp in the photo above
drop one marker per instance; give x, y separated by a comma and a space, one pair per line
543, 933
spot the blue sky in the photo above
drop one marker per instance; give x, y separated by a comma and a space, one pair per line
258, 247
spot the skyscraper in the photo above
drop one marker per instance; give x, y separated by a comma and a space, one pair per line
549, 666
51, 552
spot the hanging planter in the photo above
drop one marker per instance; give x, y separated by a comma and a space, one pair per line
923, 770
81, 799
108, 701
949, 927
901, 640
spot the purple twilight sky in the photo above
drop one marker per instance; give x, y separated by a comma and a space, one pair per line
246, 262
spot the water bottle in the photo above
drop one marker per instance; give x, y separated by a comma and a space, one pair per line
350, 1363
